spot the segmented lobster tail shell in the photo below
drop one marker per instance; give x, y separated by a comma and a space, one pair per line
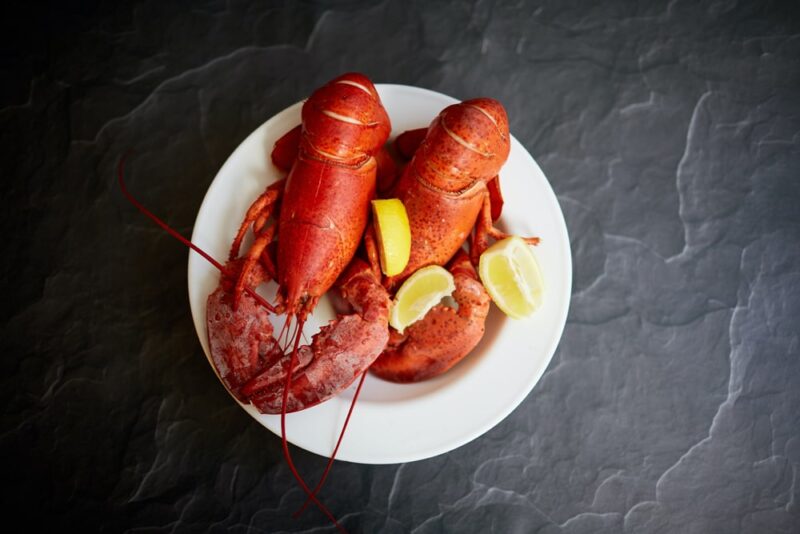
344, 121
465, 142
444, 186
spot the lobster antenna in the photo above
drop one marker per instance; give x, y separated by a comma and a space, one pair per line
298, 332
325, 473
284, 331
174, 233
287, 455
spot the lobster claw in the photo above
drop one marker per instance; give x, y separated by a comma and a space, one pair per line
443, 337
240, 338
338, 354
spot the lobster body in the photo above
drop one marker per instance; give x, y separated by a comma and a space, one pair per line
451, 192
320, 227
444, 185
326, 198
440, 221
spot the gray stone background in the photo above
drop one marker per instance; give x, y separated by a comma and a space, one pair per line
671, 135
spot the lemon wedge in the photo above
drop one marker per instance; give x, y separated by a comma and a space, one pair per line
394, 234
419, 293
509, 271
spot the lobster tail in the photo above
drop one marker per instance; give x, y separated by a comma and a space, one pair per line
344, 121
465, 142
444, 186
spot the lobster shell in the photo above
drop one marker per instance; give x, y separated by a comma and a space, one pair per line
326, 200
320, 228
444, 185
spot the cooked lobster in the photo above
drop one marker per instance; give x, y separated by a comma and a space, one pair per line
306, 231
450, 189
317, 216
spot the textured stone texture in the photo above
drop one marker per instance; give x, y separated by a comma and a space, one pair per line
671, 135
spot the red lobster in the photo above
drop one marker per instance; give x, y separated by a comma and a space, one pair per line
322, 210
451, 193
323, 206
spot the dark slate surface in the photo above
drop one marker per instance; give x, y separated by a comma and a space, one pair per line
671, 135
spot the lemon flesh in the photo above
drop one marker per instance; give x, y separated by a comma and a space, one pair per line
393, 233
419, 293
511, 275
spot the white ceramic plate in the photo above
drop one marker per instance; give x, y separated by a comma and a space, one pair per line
395, 423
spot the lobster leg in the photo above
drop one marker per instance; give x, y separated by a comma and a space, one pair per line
480, 239
257, 214
250, 275
484, 229
371, 247
408, 142
443, 337
268, 261
284, 153
496, 197
388, 171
